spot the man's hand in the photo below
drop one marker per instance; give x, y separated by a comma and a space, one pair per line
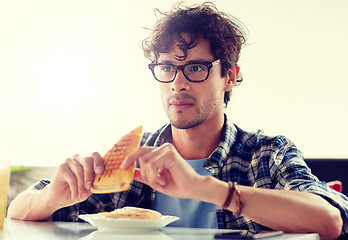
164, 170
70, 184
73, 179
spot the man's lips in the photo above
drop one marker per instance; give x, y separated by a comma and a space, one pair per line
182, 103
178, 103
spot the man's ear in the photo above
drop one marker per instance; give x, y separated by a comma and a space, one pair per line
231, 77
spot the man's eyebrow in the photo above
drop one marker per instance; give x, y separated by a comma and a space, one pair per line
184, 62
165, 62
198, 61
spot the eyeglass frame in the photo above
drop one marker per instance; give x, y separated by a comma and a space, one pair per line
209, 66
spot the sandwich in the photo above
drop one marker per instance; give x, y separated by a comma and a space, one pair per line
132, 212
114, 179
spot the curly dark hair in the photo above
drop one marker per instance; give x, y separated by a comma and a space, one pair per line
225, 33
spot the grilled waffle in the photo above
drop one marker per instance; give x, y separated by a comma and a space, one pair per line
113, 178
132, 212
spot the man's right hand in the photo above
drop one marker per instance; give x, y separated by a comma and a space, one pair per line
73, 180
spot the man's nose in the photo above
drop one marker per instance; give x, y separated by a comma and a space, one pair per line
180, 82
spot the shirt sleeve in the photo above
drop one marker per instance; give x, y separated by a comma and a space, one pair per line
335, 198
138, 195
293, 174
93, 204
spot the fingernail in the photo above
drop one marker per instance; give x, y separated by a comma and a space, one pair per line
99, 170
161, 181
89, 185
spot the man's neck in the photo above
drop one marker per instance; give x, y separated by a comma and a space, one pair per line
200, 141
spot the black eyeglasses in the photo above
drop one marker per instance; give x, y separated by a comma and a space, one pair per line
193, 71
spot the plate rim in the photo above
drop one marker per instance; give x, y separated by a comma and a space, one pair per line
94, 220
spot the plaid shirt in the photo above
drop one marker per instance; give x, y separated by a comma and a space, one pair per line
250, 159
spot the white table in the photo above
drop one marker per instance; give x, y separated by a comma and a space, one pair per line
64, 230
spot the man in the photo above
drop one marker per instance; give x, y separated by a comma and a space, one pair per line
200, 167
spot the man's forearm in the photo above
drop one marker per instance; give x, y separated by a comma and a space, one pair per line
32, 205
289, 211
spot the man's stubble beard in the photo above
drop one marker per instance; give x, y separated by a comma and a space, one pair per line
185, 124
201, 114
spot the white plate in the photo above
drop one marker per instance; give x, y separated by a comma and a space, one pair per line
117, 224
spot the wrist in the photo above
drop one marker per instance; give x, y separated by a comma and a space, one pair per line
48, 202
224, 195
234, 200
209, 189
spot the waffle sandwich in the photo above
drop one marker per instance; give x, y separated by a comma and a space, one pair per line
114, 179
132, 212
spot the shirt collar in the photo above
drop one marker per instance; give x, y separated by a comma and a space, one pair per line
162, 135
222, 151
228, 138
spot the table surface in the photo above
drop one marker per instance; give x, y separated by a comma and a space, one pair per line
14, 229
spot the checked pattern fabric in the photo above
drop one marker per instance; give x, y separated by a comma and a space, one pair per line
248, 158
